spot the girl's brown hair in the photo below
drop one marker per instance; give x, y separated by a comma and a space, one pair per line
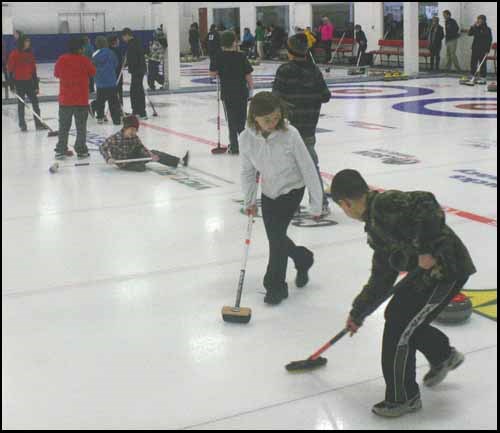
263, 104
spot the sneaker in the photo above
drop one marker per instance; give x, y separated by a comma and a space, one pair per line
60, 155
100, 121
185, 160
395, 410
303, 272
41, 127
24, 128
83, 155
233, 150
438, 373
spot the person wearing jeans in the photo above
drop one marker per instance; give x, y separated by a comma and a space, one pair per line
73, 71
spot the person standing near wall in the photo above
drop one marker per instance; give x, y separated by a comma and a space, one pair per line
481, 45
362, 42
22, 66
137, 68
194, 40
436, 36
259, 39
452, 33
327, 30
74, 71
155, 59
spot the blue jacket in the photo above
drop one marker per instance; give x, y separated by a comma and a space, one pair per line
106, 64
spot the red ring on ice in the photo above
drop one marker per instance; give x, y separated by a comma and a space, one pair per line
356, 91
478, 106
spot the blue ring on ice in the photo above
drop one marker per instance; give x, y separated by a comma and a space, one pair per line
420, 107
408, 91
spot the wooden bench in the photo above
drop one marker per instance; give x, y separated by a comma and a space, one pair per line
389, 49
494, 56
343, 50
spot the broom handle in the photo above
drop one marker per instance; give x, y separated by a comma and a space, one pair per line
33, 112
328, 345
245, 260
122, 161
345, 331
218, 111
480, 64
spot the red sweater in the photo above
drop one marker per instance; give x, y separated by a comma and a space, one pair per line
22, 65
74, 71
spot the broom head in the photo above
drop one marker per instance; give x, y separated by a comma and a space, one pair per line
236, 315
306, 365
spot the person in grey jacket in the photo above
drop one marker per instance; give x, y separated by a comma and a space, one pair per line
274, 148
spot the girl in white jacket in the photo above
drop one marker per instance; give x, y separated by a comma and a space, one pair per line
275, 149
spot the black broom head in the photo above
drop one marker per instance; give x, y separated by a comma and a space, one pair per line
306, 365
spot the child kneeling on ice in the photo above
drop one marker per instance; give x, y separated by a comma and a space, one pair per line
274, 148
125, 144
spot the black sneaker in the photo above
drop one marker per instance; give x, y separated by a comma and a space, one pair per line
185, 160
395, 410
439, 372
303, 271
83, 155
24, 128
273, 298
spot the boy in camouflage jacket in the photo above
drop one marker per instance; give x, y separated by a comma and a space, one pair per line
408, 232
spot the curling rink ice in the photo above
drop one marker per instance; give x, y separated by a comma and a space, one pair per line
113, 282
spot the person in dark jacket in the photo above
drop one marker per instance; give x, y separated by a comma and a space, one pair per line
194, 40
301, 84
22, 67
136, 63
213, 44
106, 64
481, 44
436, 36
74, 71
408, 233
362, 42
235, 75
114, 45
452, 33
155, 59
88, 50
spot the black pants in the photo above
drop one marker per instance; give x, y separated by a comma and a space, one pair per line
435, 58
154, 74
27, 88
277, 215
119, 92
91, 85
477, 57
407, 329
165, 159
361, 53
235, 107
327, 46
137, 96
212, 55
66, 114
110, 96
195, 48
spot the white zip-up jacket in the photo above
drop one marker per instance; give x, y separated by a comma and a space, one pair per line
284, 164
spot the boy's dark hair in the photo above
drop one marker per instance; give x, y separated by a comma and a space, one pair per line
112, 39
265, 103
75, 45
213, 28
227, 39
21, 40
348, 184
357, 26
101, 42
259, 23
127, 32
447, 12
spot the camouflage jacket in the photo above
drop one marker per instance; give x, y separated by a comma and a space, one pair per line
400, 227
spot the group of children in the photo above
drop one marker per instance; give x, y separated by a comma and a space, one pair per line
276, 139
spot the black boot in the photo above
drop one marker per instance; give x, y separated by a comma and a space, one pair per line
185, 160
